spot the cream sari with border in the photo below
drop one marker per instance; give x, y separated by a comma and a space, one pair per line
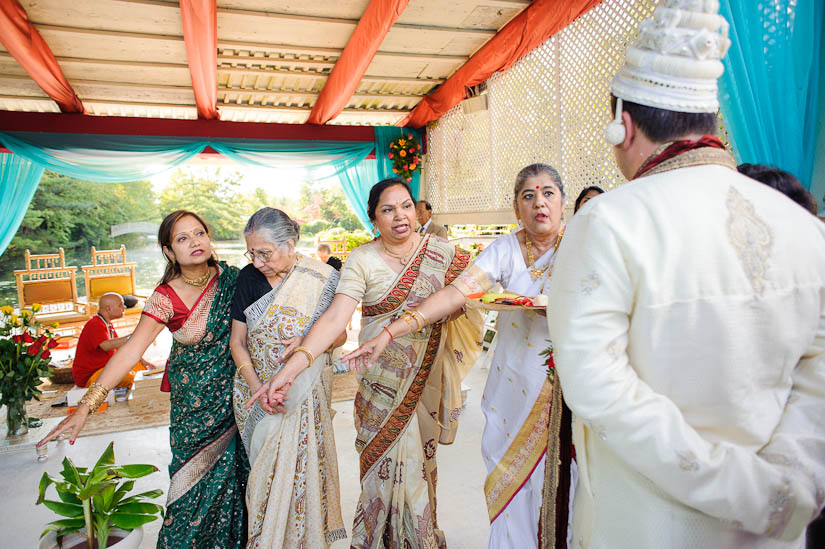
293, 491
409, 402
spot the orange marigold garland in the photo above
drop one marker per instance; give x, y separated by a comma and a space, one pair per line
405, 153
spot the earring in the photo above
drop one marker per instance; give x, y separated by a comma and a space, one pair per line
615, 132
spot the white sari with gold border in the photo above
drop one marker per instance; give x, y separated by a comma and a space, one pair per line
517, 397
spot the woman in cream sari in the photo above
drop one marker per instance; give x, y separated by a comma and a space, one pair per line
409, 401
526, 503
292, 495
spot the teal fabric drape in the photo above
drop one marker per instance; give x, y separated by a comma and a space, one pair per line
104, 158
771, 93
123, 158
329, 157
383, 136
19, 178
356, 183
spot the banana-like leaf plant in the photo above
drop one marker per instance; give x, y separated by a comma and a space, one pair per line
98, 499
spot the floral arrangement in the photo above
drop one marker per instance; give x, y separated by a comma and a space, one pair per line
550, 363
405, 153
25, 350
476, 248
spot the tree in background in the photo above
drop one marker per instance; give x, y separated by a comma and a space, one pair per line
212, 194
321, 207
72, 213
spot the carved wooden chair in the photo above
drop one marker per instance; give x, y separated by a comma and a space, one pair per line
110, 272
47, 280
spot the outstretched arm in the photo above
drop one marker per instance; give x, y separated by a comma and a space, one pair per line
444, 302
117, 367
321, 336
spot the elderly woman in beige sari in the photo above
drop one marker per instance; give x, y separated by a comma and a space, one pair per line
293, 495
409, 401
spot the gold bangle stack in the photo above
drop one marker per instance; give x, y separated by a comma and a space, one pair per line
95, 396
308, 353
244, 365
420, 319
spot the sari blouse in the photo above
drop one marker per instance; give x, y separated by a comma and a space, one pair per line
188, 326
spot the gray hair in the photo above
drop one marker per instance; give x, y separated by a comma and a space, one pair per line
274, 226
532, 171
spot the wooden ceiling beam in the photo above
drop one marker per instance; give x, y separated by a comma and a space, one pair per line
303, 93
290, 17
393, 79
125, 125
331, 52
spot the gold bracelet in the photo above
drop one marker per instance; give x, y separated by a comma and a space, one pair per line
244, 365
407, 317
308, 353
95, 396
424, 320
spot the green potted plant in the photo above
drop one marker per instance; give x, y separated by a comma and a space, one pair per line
25, 352
98, 509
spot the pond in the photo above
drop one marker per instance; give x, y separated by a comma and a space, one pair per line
150, 265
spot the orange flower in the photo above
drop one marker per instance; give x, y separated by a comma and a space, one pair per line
403, 154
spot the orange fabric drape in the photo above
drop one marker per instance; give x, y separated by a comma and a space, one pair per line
373, 26
24, 43
200, 35
528, 30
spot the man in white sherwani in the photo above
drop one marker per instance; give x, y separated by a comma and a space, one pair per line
687, 310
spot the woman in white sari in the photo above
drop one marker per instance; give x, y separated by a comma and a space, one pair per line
293, 494
526, 418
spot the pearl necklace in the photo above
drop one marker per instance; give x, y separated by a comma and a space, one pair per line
531, 259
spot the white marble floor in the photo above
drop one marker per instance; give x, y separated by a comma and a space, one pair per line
462, 512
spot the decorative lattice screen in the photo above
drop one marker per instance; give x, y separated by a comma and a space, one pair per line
549, 107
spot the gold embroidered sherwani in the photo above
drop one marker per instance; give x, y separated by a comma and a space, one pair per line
688, 311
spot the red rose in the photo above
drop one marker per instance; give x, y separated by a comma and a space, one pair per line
52, 343
412, 150
42, 339
33, 349
27, 337
409, 136
390, 155
46, 354
409, 179
17, 338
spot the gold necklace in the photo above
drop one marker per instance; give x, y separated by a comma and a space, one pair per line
200, 281
403, 258
531, 259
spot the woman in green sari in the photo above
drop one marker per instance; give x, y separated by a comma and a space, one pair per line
410, 400
205, 502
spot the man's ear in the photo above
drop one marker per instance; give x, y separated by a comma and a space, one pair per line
630, 130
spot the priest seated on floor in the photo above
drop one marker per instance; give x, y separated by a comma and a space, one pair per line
99, 341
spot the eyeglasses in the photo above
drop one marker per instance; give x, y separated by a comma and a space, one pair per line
262, 256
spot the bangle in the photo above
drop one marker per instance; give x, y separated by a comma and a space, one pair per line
418, 314
389, 333
308, 353
408, 319
244, 365
95, 396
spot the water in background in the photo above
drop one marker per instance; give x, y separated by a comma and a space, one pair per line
150, 265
